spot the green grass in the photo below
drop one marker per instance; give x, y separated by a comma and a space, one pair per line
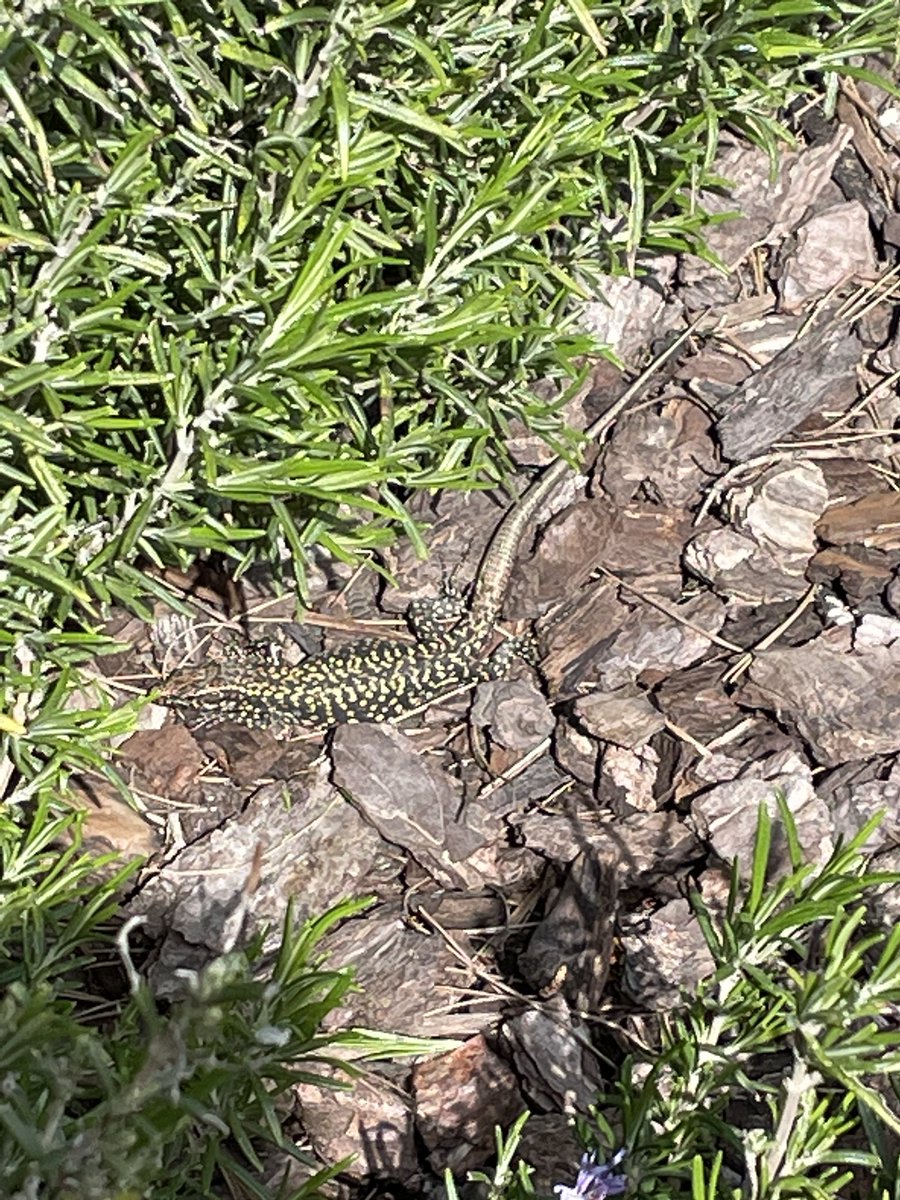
785, 1064
778, 1078
110, 1095
269, 268
266, 270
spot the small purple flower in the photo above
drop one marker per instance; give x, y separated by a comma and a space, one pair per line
595, 1180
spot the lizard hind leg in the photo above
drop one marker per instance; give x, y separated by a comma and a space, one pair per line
523, 646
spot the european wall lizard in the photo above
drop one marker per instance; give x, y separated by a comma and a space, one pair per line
375, 679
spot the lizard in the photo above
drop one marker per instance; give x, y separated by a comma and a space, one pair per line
374, 679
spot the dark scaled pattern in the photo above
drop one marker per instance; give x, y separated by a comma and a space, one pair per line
367, 680
372, 679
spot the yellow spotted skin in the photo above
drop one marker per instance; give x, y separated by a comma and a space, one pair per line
372, 679
367, 680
